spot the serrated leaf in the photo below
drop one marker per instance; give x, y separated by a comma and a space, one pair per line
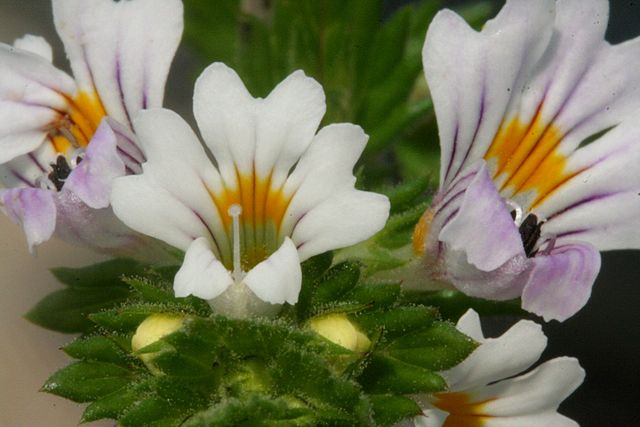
152, 411
87, 380
255, 410
67, 310
439, 347
397, 322
340, 279
98, 348
155, 291
99, 275
389, 409
388, 375
128, 317
111, 405
312, 270
374, 294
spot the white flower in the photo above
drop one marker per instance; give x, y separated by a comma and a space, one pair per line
58, 156
538, 119
483, 391
279, 193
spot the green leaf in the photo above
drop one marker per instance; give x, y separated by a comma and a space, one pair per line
374, 294
104, 274
110, 406
312, 270
88, 380
67, 310
149, 290
397, 322
128, 317
438, 347
388, 375
98, 348
255, 410
336, 282
389, 409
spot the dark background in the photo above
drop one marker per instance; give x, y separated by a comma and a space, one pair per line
604, 336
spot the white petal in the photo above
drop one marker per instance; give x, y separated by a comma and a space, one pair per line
600, 205
35, 44
178, 165
287, 122
546, 419
32, 97
346, 218
226, 116
278, 278
540, 390
469, 324
29, 169
201, 274
324, 170
121, 49
473, 77
498, 358
432, 418
146, 207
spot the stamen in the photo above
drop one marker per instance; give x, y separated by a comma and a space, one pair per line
234, 212
516, 211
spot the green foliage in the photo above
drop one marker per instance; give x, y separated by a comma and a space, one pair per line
220, 371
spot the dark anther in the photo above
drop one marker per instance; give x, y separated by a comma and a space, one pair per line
530, 233
60, 170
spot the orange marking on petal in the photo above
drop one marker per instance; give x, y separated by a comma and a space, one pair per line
86, 114
463, 412
262, 207
527, 156
60, 143
420, 233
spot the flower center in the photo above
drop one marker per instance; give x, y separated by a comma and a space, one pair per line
234, 212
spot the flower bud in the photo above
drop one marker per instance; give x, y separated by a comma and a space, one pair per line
338, 329
152, 329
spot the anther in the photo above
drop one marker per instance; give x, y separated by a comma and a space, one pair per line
234, 212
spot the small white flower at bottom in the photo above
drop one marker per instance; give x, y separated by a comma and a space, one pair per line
483, 391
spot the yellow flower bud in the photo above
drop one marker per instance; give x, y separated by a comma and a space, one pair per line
151, 330
338, 329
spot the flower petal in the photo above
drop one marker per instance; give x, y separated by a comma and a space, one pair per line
35, 44
600, 205
277, 279
29, 169
495, 358
122, 50
473, 77
541, 390
269, 135
346, 218
560, 282
201, 274
32, 208
32, 96
483, 227
92, 179
142, 204
180, 170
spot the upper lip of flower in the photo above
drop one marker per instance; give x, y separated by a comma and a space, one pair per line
542, 100
295, 187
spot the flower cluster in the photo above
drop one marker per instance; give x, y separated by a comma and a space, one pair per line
537, 119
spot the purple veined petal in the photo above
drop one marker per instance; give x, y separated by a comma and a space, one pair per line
92, 179
121, 50
474, 77
34, 209
129, 148
29, 169
560, 282
483, 227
